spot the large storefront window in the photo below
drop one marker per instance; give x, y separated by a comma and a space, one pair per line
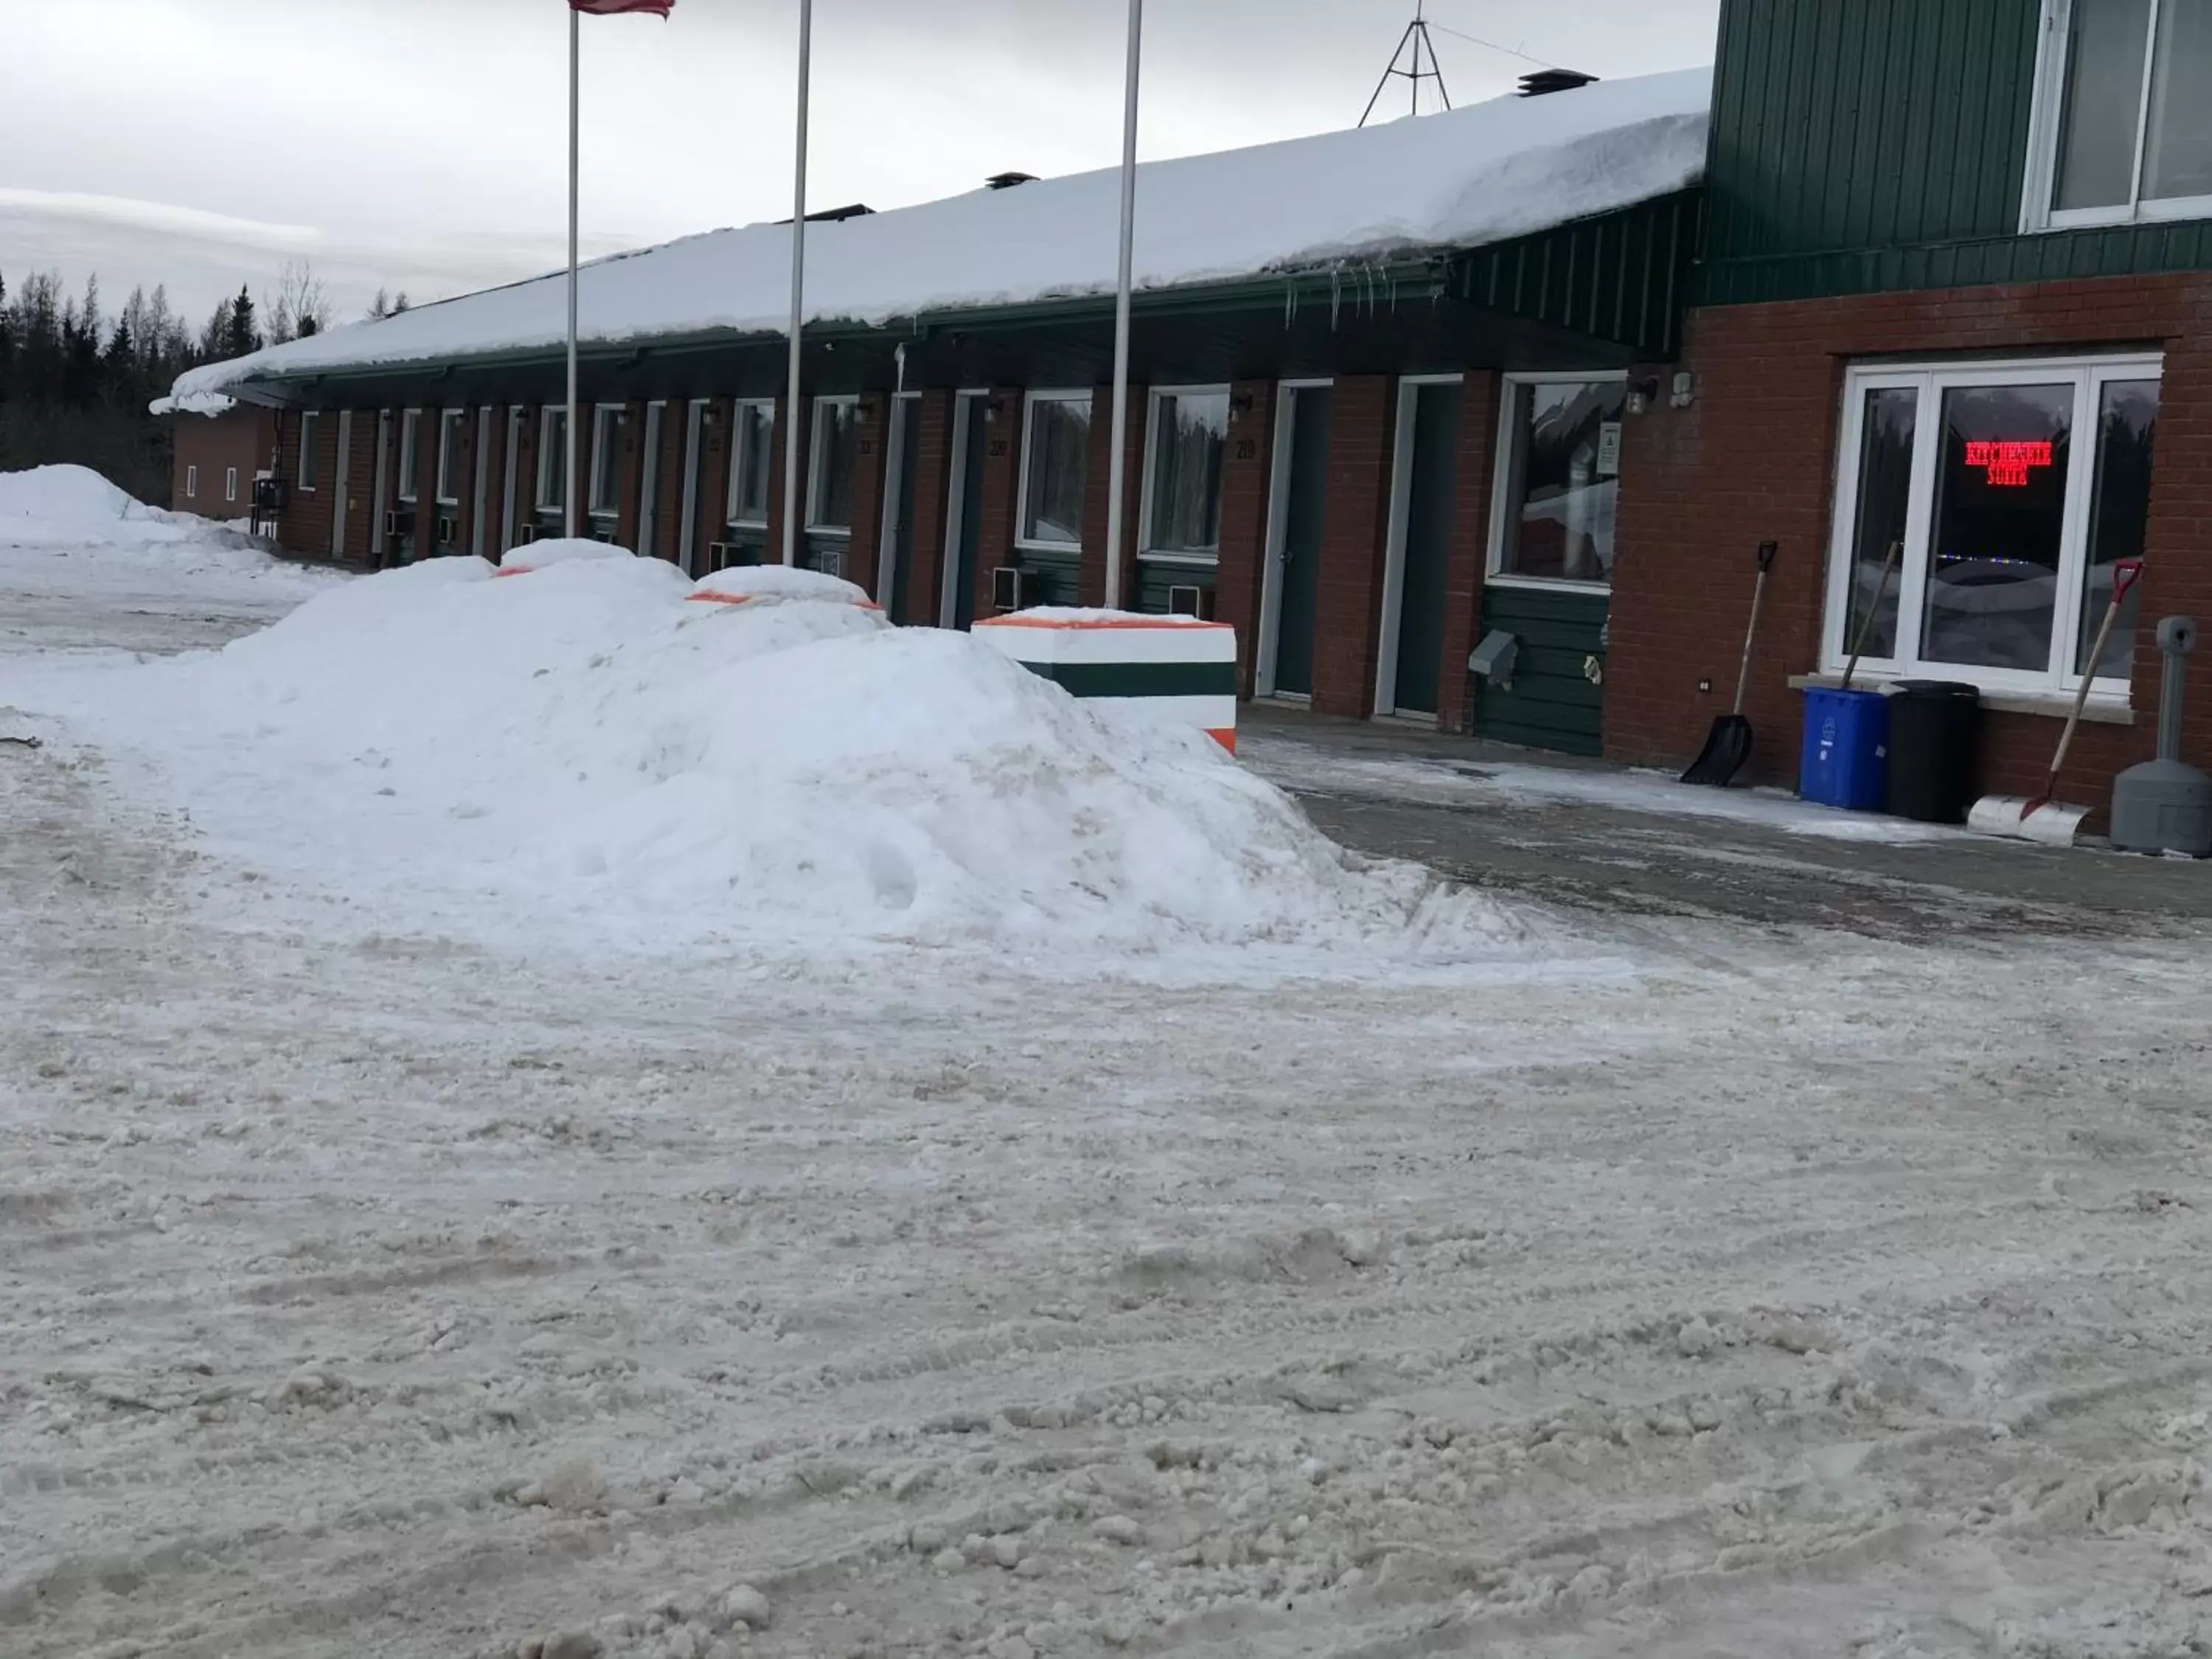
2005, 537
1191, 430
2126, 111
1055, 467
1559, 483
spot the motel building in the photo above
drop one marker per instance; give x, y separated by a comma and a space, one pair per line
1475, 420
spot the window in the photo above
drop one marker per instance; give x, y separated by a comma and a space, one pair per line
552, 460
1558, 479
409, 430
192, 483
2123, 113
2009, 491
1189, 435
1055, 465
449, 458
310, 434
836, 461
230, 483
610, 430
752, 462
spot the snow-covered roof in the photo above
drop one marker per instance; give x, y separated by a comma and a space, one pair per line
194, 403
1461, 179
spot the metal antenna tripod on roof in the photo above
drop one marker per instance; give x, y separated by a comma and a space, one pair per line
1411, 45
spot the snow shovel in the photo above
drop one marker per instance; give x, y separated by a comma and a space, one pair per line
2042, 817
1727, 745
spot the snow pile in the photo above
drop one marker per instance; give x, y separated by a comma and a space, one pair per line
1466, 178
763, 584
584, 750
74, 506
537, 555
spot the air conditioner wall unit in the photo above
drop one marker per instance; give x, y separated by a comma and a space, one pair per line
603, 536
1191, 601
721, 555
449, 531
1009, 588
528, 533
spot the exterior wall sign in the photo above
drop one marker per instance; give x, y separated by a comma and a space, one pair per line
2006, 463
1609, 449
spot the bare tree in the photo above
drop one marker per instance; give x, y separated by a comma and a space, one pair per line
300, 307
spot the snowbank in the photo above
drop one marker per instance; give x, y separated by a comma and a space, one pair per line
584, 750
1463, 179
66, 509
759, 584
557, 549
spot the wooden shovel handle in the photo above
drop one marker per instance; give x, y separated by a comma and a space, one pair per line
1866, 622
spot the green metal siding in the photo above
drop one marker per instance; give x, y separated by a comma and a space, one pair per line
1620, 277
1049, 578
1552, 704
1871, 146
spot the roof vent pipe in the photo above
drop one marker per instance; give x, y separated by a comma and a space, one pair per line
1554, 80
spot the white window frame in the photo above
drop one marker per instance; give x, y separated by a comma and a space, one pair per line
410, 457
1494, 574
552, 457
1144, 526
2089, 374
192, 484
765, 408
230, 485
2037, 212
1025, 542
310, 422
449, 421
604, 417
817, 440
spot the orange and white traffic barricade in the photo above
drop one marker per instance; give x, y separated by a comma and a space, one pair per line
1177, 670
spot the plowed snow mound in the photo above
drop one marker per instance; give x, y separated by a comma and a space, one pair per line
581, 745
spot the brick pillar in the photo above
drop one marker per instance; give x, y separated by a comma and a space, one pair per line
526, 469
874, 451
1355, 523
1097, 490
716, 457
1002, 474
1474, 470
932, 461
668, 488
1246, 466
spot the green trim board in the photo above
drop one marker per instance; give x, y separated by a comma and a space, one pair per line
1154, 579
1140, 680
1552, 704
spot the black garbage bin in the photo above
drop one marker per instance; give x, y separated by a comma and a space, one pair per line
1935, 734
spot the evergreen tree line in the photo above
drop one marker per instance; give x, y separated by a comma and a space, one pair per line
75, 378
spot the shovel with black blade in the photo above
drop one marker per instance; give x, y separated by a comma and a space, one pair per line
1727, 745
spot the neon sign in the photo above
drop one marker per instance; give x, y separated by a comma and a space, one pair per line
2006, 463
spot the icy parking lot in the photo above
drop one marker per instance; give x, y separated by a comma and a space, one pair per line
385, 1276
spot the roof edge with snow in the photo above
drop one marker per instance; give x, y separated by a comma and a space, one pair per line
1437, 184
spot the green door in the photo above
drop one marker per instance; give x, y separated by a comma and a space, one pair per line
960, 557
1298, 569
906, 436
1427, 553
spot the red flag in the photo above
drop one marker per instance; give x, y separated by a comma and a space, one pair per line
617, 8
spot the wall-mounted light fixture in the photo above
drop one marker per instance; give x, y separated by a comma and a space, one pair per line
1240, 405
1685, 390
1642, 394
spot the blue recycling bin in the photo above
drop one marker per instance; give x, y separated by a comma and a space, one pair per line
1845, 761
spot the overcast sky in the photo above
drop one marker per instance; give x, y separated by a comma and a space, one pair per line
421, 144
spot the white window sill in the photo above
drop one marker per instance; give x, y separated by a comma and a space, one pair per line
2101, 709
1547, 584
1194, 560
1064, 549
841, 533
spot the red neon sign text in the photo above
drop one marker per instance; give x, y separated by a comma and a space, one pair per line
2006, 464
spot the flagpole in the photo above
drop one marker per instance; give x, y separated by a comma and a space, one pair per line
794, 508
575, 111
1117, 466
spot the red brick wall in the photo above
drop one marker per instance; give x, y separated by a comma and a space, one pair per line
932, 459
525, 468
242, 438
1474, 473
1099, 490
1246, 468
629, 487
361, 486
1354, 521
305, 523
1754, 459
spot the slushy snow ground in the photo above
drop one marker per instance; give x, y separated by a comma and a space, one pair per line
466, 1274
